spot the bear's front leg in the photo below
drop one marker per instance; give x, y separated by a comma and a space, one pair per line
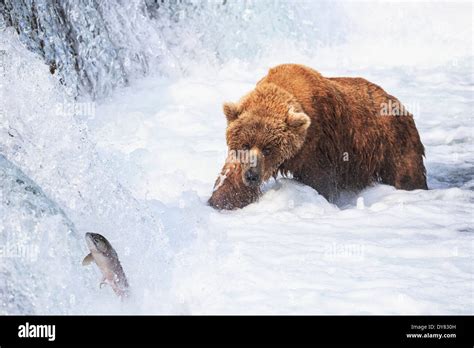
230, 191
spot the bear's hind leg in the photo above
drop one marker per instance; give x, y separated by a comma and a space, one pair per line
406, 173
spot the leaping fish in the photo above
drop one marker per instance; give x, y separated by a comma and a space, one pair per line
106, 258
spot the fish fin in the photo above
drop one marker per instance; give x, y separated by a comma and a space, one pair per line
103, 282
87, 260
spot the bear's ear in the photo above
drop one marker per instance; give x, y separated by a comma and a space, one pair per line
298, 120
231, 111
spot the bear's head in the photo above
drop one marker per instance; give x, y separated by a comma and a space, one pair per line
265, 128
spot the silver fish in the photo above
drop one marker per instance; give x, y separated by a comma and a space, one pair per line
106, 258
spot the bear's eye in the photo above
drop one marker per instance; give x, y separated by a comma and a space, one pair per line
246, 147
266, 151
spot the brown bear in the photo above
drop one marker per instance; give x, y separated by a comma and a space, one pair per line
333, 134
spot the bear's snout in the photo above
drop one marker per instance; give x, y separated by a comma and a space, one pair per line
252, 177
252, 168
230, 192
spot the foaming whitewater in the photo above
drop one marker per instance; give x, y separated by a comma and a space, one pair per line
138, 167
51, 145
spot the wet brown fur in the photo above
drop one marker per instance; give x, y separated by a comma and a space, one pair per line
346, 145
